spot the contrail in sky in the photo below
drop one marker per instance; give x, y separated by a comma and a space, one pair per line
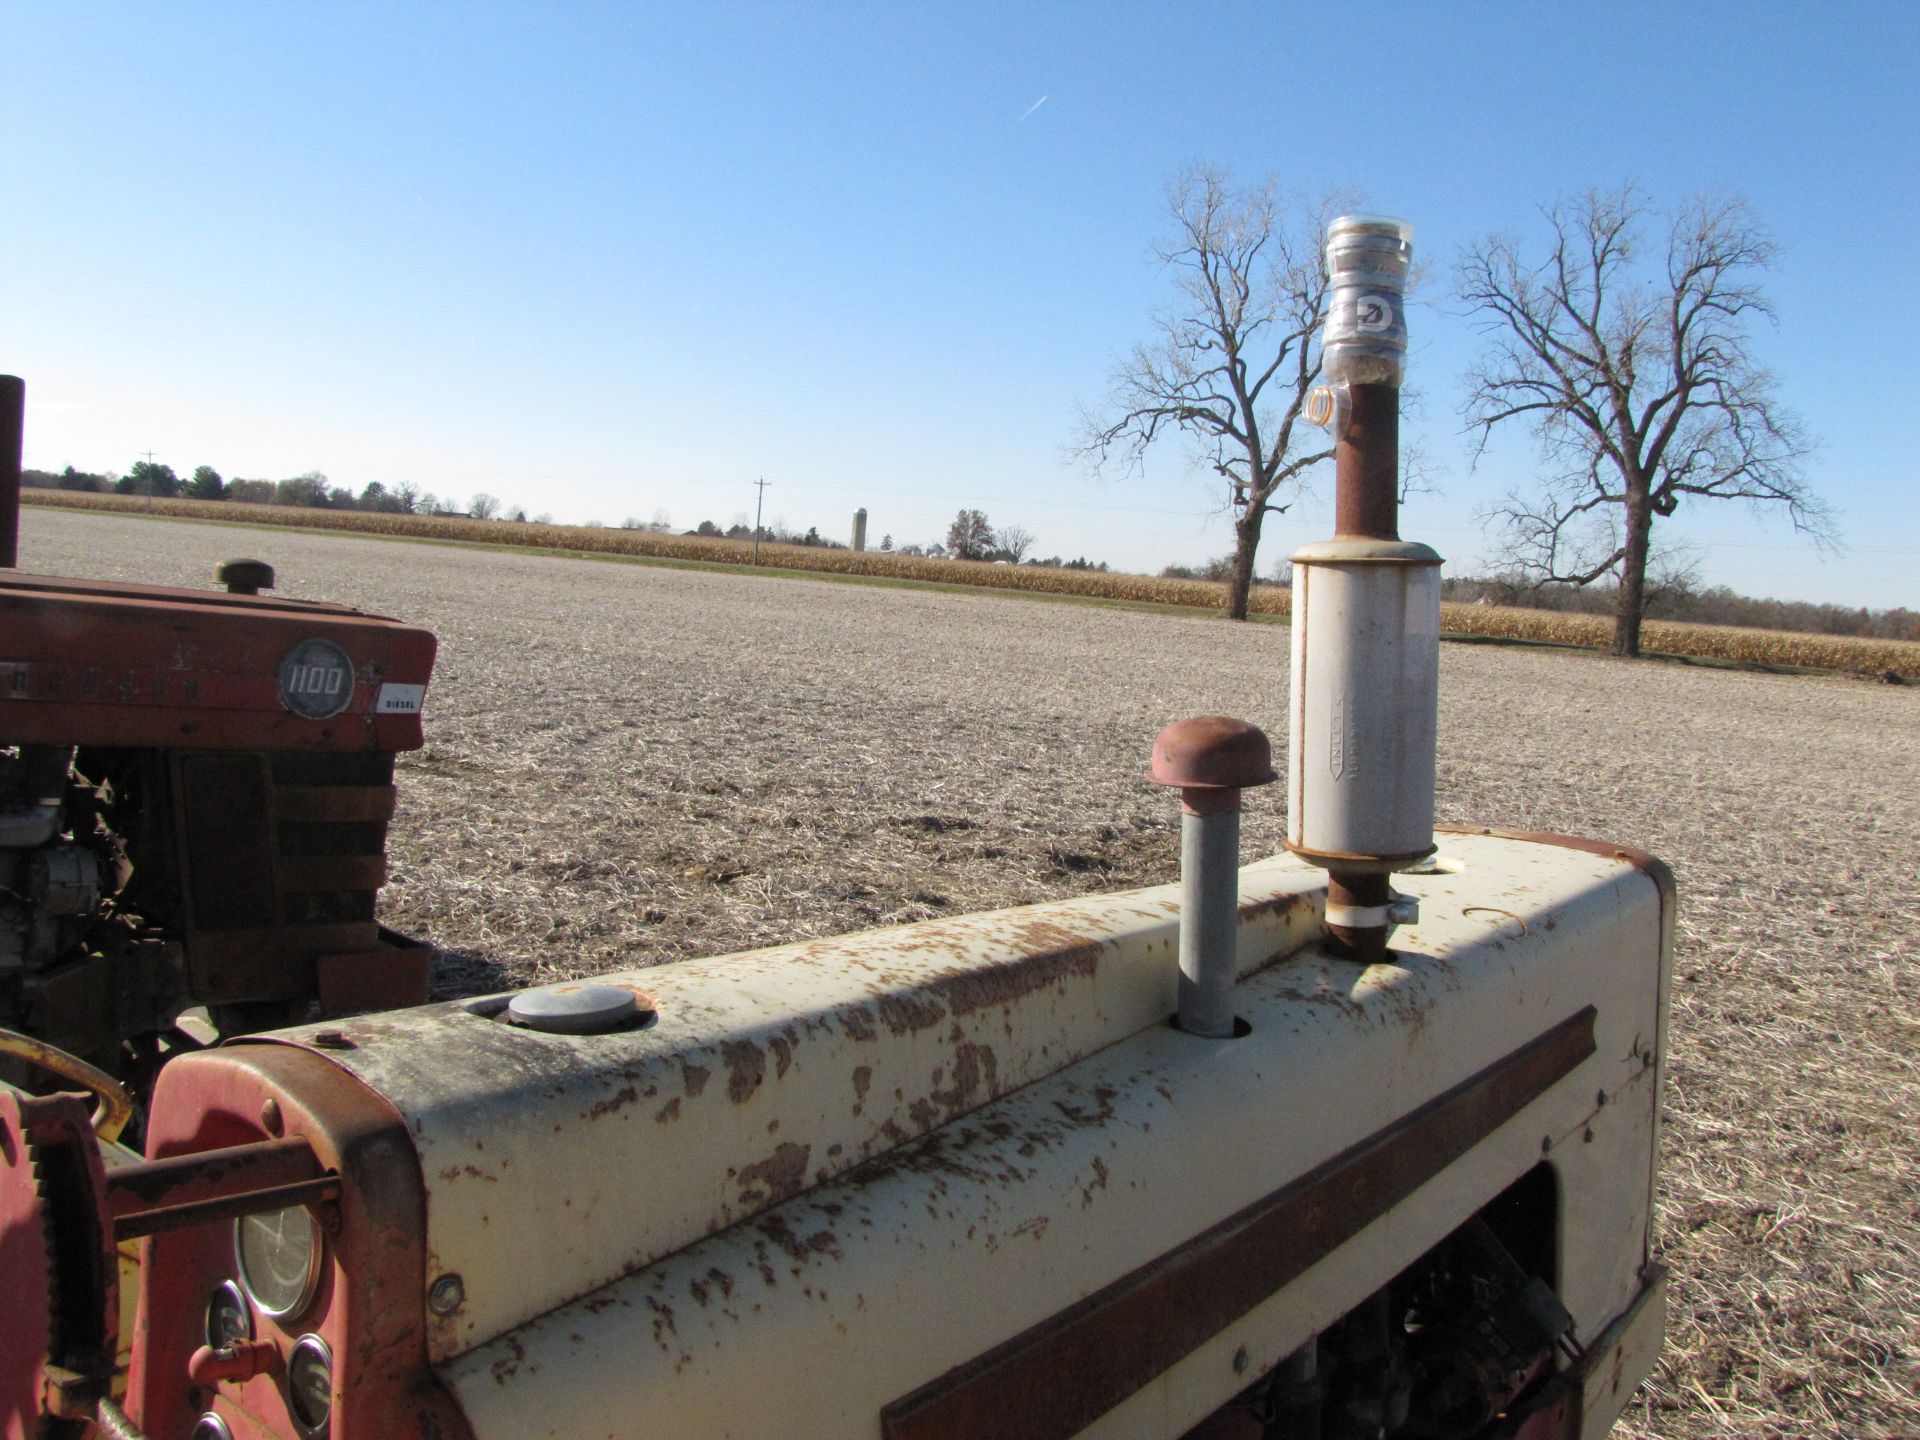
1030, 109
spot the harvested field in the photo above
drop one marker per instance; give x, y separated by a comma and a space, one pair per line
630, 765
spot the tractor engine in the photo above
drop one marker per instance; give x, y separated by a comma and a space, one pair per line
194, 795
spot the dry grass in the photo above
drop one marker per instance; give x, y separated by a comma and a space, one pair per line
1843, 653
632, 764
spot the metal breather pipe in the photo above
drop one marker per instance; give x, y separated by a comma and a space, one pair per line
1209, 904
1212, 758
1366, 615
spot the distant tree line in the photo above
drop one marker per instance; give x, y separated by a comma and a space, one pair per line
1670, 594
311, 491
1673, 598
1221, 569
969, 538
777, 533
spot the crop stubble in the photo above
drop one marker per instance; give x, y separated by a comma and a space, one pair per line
629, 765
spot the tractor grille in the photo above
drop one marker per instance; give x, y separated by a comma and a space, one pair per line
285, 855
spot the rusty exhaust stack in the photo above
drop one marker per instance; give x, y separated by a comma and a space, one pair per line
13, 426
1366, 615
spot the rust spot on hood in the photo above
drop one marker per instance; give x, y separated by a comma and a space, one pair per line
1045, 954
858, 1024
908, 1012
746, 1068
797, 1247
619, 1100
695, 1076
508, 1365
1099, 1182
976, 1077
1049, 954
781, 1174
663, 1323
1277, 904
1099, 1114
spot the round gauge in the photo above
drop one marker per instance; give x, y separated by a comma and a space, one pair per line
310, 1386
279, 1255
229, 1317
210, 1427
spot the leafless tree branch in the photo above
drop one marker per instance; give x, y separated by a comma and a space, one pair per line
1235, 352
1638, 381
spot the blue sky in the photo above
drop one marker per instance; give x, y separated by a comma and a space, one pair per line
610, 260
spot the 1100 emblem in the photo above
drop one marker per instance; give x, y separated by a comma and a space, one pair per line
316, 679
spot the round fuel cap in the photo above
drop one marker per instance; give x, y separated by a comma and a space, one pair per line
574, 1008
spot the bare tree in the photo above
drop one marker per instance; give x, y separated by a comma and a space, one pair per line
1636, 373
969, 537
483, 506
1235, 354
1013, 542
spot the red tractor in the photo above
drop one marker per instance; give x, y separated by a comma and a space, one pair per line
194, 795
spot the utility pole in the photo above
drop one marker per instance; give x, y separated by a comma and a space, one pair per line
758, 504
148, 478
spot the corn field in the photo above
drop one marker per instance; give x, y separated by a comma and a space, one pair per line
1849, 654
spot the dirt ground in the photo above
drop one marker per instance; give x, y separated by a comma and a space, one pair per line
629, 765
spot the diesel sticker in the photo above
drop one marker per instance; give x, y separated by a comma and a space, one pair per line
399, 699
316, 679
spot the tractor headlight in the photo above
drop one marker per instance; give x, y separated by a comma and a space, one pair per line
279, 1258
